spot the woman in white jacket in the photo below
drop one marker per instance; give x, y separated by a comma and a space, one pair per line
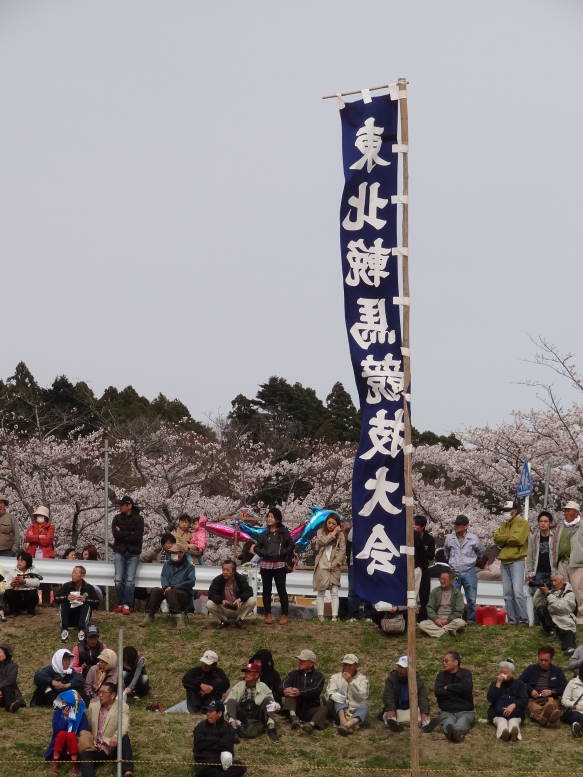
347, 691
572, 701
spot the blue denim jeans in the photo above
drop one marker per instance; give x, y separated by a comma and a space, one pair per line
125, 568
469, 582
513, 591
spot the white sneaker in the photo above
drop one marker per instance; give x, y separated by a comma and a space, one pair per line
81, 635
64, 635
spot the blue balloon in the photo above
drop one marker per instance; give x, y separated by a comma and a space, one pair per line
319, 516
253, 531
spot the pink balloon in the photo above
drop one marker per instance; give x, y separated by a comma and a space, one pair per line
227, 532
295, 533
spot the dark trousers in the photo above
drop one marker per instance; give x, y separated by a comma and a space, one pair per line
10, 694
567, 637
21, 600
177, 598
88, 768
6, 553
317, 715
268, 576
236, 770
354, 600
79, 617
572, 716
424, 590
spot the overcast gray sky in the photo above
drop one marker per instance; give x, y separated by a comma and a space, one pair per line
170, 182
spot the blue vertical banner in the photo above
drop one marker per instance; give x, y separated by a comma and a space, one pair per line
370, 274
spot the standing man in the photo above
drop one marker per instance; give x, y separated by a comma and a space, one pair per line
127, 530
424, 555
463, 549
9, 530
541, 561
454, 691
512, 539
572, 515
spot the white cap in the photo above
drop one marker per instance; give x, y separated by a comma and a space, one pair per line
209, 657
508, 506
403, 662
350, 658
306, 655
571, 505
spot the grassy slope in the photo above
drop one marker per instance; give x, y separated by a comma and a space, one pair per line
169, 654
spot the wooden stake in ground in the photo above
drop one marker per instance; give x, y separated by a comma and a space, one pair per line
411, 598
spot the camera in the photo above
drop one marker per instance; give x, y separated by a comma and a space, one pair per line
540, 580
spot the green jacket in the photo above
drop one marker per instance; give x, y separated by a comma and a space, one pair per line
512, 539
564, 545
434, 603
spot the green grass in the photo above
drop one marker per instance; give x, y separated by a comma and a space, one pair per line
168, 738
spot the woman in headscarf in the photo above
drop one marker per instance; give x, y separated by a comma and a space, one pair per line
508, 697
104, 671
56, 678
69, 720
135, 675
10, 696
269, 675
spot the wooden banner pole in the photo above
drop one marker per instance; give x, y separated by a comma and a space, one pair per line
411, 599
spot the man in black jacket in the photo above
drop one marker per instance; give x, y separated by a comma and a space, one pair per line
230, 597
302, 689
214, 743
545, 683
127, 530
203, 684
76, 600
455, 699
396, 710
424, 554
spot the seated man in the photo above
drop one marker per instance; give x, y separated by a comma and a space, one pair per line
455, 698
102, 717
160, 554
545, 683
54, 679
86, 652
250, 706
214, 742
230, 597
76, 600
203, 684
445, 608
347, 693
396, 709
177, 581
302, 689
555, 608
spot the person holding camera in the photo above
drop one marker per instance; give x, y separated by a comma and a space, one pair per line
555, 604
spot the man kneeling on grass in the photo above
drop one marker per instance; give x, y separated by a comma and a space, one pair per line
347, 692
230, 597
250, 706
177, 581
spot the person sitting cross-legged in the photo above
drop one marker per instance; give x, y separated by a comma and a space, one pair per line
214, 743
250, 706
102, 716
347, 693
203, 684
177, 581
555, 607
454, 691
508, 697
396, 709
445, 609
572, 701
302, 689
230, 597
545, 683
52, 680
76, 600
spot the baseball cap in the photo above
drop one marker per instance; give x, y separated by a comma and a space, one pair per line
306, 655
350, 658
403, 662
209, 657
215, 706
252, 667
92, 631
510, 505
126, 500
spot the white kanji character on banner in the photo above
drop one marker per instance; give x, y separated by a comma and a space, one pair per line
372, 327
369, 141
367, 264
380, 550
385, 431
384, 378
381, 487
359, 203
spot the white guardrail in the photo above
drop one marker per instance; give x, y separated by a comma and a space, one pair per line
299, 583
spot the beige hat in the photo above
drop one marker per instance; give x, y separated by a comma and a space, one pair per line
306, 655
350, 658
209, 657
109, 656
44, 511
4, 498
175, 549
571, 505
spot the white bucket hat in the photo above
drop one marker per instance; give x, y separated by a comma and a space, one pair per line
41, 510
571, 505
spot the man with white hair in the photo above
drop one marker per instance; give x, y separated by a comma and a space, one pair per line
572, 518
555, 607
572, 514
